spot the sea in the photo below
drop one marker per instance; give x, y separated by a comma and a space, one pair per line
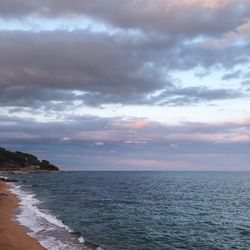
135, 210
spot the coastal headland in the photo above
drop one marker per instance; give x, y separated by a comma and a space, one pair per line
23, 162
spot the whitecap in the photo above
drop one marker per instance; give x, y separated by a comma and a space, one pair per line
51, 232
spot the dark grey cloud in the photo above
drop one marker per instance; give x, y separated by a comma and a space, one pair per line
44, 67
234, 75
172, 17
36, 97
246, 74
195, 95
73, 60
32, 63
14, 127
245, 83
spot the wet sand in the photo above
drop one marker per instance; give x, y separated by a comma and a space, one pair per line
12, 235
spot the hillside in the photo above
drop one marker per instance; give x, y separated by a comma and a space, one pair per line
19, 161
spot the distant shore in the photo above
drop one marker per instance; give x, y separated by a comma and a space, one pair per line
12, 235
27, 171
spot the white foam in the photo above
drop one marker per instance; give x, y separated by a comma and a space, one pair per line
3, 177
81, 240
41, 223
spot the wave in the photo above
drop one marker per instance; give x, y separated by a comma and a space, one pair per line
52, 233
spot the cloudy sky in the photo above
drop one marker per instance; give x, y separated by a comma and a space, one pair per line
127, 85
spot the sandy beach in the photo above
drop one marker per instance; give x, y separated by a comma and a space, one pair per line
13, 236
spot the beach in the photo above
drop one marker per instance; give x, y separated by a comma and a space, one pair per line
12, 235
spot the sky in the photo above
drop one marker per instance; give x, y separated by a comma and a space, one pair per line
127, 85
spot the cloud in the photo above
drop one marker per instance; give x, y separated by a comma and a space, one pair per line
117, 129
168, 16
234, 75
134, 124
126, 62
245, 83
155, 155
127, 53
64, 61
195, 95
46, 68
100, 145
135, 142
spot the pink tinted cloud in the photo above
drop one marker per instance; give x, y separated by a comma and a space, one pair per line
215, 137
212, 4
143, 131
135, 124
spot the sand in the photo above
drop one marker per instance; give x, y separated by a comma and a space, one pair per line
12, 235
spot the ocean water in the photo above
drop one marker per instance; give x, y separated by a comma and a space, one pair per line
136, 210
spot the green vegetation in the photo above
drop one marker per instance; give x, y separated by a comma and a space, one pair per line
20, 161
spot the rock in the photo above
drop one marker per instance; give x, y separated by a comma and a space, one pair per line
7, 180
11, 180
3, 194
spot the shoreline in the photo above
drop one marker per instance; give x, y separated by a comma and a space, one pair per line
12, 235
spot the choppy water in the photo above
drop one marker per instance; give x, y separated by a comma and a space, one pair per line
136, 210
